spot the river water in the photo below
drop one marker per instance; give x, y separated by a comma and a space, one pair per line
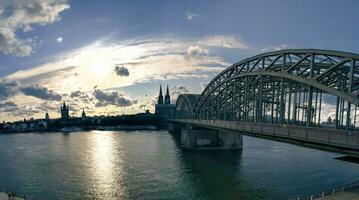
150, 165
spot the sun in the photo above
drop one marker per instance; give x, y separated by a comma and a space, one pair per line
100, 67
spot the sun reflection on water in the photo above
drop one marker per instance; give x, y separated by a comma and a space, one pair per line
106, 169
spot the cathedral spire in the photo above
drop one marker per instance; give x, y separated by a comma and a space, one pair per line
64, 111
167, 97
83, 115
160, 97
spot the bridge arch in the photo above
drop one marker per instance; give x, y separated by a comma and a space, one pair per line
185, 105
289, 84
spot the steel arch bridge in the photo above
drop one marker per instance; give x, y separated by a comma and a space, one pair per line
285, 87
185, 105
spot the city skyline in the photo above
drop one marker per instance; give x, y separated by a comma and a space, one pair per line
115, 60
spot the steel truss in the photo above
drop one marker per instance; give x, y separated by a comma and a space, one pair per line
283, 87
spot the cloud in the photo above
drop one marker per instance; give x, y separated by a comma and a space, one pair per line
223, 41
10, 89
196, 51
275, 48
111, 98
47, 106
153, 60
81, 97
47, 73
8, 106
26, 111
177, 90
122, 71
59, 39
149, 61
41, 93
23, 15
78, 94
10, 44
7, 89
190, 15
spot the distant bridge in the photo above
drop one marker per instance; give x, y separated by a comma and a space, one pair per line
282, 95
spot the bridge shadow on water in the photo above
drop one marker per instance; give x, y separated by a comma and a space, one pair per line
217, 173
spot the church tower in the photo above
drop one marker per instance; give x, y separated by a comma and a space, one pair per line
83, 114
47, 117
64, 111
164, 110
160, 97
167, 97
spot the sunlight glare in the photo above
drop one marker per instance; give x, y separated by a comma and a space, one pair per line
100, 67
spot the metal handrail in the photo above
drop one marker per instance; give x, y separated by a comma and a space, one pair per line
329, 192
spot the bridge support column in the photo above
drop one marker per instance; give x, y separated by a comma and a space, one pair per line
195, 138
175, 128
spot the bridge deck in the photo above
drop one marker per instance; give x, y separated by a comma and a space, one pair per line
330, 139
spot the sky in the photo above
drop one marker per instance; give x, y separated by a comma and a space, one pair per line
110, 57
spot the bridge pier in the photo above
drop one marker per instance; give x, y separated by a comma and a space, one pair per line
196, 138
175, 128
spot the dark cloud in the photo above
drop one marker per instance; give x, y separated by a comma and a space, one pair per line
111, 98
7, 103
81, 97
41, 93
177, 90
25, 112
12, 84
159, 55
19, 111
122, 71
59, 73
50, 105
7, 89
134, 63
135, 101
8, 106
148, 42
78, 94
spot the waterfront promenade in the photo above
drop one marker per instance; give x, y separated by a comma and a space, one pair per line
4, 196
350, 194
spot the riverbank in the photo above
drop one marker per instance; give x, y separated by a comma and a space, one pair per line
87, 128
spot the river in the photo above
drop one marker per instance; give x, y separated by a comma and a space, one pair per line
151, 165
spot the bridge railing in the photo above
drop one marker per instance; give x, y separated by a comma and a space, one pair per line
326, 136
329, 192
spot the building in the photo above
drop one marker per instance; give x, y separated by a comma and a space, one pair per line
65, 111
164, 110
83, 115
47, 117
